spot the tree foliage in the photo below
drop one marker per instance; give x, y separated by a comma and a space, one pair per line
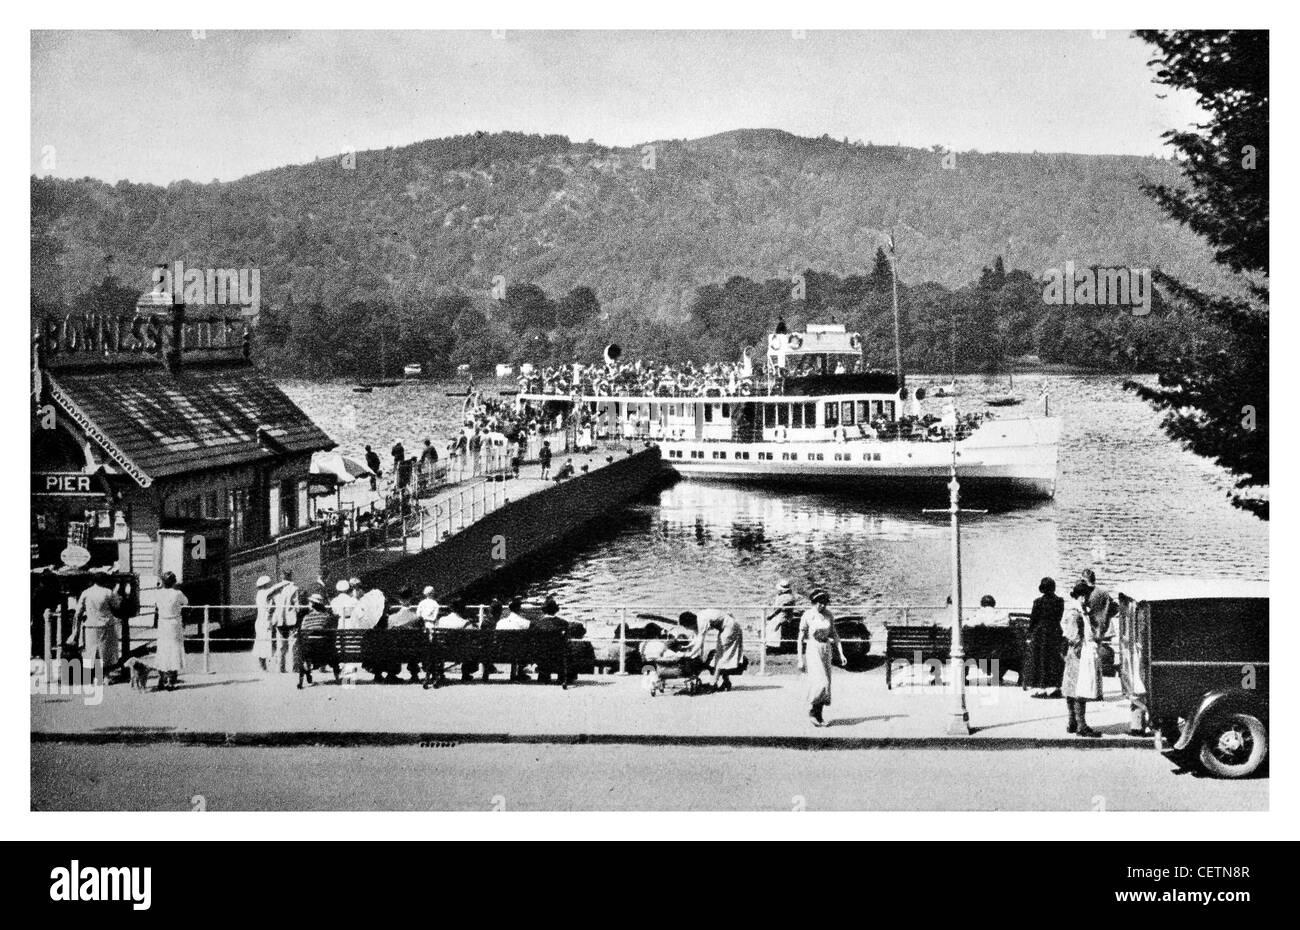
1214, 389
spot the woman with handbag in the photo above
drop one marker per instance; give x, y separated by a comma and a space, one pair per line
1082, 680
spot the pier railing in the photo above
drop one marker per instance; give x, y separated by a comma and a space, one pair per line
416, 524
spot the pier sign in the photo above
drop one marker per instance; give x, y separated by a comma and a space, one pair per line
109, 334
63, 484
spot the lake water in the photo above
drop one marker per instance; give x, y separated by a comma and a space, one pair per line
1129, 503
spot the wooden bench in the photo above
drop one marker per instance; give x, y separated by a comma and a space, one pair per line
549, 651
915, 644
377, 650
1004, 645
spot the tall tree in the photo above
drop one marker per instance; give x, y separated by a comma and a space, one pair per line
577, 308
1223, 158
1214, 393
882, 274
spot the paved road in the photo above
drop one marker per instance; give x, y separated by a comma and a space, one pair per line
550, 777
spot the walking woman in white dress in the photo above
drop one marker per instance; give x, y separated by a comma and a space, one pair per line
262, 635
816, 634
171, 631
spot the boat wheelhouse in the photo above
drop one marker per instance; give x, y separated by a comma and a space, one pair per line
812, 414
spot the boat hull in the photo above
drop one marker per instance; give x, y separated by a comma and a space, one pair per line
1004, 458
912, 483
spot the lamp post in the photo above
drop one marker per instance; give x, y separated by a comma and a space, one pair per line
959, 719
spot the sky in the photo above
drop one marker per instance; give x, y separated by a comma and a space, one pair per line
164, 106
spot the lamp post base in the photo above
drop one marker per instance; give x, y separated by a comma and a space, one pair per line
959, 724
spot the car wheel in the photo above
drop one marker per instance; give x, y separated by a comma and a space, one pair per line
1234, 745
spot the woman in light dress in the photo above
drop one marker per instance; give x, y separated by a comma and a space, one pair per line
1082, 680
729, 653
816, 635
262, 624
171, 630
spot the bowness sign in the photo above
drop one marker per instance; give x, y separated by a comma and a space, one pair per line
154, 334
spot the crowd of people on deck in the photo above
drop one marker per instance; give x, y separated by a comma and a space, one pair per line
642, 378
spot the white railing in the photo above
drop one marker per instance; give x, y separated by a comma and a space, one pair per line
619, 618
419, 525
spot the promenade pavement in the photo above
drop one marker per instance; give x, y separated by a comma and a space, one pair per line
237, 705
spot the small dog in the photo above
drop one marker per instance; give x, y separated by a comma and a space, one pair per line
139, 673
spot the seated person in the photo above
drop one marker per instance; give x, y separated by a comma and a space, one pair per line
308, 653
549, 621
515, 620
404, 616
454, 619
988, 614
566, 471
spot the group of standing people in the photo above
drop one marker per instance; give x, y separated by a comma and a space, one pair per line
285, 616
1064, 646
95, 630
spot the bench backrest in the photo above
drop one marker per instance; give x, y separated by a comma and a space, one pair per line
928, 639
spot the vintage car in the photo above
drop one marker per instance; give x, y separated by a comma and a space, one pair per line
1193, 656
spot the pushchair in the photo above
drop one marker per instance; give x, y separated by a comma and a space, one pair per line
663, 661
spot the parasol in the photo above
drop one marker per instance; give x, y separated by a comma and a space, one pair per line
338, 466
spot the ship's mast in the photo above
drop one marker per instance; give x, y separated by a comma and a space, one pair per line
898, 336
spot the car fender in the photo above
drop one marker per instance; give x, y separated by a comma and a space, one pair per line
1213, 702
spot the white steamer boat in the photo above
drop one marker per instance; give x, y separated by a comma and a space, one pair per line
813, 415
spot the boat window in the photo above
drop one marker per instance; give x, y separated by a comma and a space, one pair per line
769, 415
726, 411
832, 414
864, 411
708, 413
796, 416
877, 409
810, 415
889, 410
782, 414
846, 413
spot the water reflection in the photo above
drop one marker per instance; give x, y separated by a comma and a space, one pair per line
1129, 502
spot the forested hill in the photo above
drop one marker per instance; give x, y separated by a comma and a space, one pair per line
644, 227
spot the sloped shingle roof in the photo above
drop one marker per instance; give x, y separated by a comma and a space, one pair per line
155, 423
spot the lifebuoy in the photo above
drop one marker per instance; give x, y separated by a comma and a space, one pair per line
855, 341
746, 389
774, 342
795, 341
